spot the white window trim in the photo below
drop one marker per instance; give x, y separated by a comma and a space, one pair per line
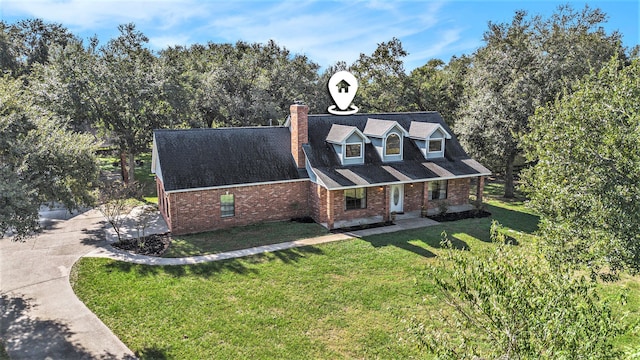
384, 150
344, 151
441, 145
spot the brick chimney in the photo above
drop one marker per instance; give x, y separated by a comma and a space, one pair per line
299, 132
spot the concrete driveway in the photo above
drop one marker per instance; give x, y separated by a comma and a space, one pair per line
41, 317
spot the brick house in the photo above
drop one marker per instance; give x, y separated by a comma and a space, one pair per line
339, 170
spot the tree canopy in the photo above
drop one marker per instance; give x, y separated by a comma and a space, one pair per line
523, 65
586, 183
519, 303
40, 161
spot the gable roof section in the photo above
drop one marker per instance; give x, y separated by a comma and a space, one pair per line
378, 128
204, 158
413, 168
424, 130
338, 134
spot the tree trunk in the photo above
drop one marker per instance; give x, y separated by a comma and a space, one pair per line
132, 168
508, 178
123, 167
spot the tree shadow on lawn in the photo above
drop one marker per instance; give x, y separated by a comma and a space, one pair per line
515, 220
33, 338
478, 228
243, 266
152, 354
403, 239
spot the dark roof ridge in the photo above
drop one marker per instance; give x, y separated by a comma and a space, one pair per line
380, 113
222, 128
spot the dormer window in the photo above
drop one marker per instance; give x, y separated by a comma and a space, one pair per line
348, 143
392, 146
436, 145
387, 138
430, 138
353, 150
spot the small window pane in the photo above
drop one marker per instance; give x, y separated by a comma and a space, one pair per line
353, 150
227, 205
355, 199
438, 190
435, 145
393, 145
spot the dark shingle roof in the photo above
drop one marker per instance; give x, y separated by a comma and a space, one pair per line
199, 158
326, 164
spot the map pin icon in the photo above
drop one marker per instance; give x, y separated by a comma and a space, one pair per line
343, 87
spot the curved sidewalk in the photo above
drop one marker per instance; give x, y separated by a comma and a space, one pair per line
112, 253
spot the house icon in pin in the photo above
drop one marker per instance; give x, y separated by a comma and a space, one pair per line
343, 87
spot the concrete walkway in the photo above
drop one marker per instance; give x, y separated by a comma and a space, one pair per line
41, 317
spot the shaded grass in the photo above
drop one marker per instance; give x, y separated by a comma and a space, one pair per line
142, 173
3, 352
241, 238
144, 176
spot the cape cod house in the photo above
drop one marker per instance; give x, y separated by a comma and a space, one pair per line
339, 170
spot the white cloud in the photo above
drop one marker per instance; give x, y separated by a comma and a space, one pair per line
327, 32
84, 15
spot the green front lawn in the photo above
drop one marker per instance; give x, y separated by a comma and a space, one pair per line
350, 299
237, 238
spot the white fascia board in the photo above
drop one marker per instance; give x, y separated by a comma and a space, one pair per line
154, 155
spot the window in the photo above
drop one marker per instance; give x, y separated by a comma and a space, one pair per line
227, 205
355, 199
435, 145
393, 145
437, 190
353, 150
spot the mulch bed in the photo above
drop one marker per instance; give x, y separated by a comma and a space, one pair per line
152, 245
361, 227
469, 214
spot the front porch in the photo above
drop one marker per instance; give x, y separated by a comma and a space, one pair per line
379, 204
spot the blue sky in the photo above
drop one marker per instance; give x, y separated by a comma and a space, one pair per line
325, 31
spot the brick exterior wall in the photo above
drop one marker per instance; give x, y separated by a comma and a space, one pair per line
376, 205
413, 197
457, 193
163, 202
317, 202
320, 199
197, 211
299, 132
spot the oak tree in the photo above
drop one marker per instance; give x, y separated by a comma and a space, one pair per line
586, 183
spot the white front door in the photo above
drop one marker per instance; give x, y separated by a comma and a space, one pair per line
396, 199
